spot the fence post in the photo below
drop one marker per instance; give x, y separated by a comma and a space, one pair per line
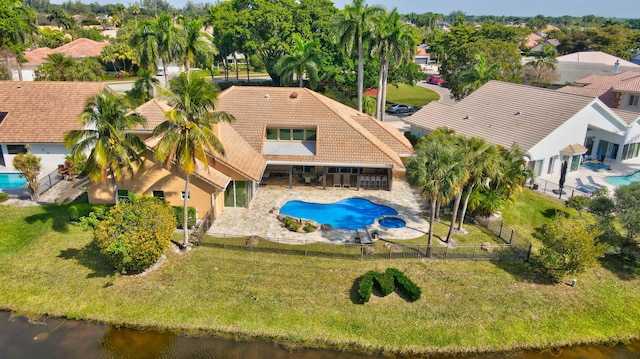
502, 252
501, 224
446, 251
473, 255
529, 252
511, 238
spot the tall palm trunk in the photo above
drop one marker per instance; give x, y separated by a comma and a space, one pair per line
114, 186
464, 205
19, 69
432, 218
379, 94
6, 60
300, 79
235, 64
360, 74
185, 212
454, 214
246, 59
383, 101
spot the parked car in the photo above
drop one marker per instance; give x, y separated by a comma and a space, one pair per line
160, 72
436, 80
400, 108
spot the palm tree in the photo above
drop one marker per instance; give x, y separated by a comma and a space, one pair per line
303, 59
353, 24
198, 44
15, 38
145, 43
55, 67
143, 88
393, 43
435, 171
187, 136
481, 72
515, 172
483, 163
107, 118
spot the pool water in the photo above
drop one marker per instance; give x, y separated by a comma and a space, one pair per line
392, 222
350, 213
623, 180
11, 181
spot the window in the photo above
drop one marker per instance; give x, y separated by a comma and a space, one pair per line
182, 195
291, 134
158, 194
15, 149
123, 194
236, 194
552, 161
633, 100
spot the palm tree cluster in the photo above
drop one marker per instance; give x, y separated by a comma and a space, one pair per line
447, 167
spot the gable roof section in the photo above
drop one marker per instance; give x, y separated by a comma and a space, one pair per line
239, 155
503, 113
340, 138
42, 112
594, 57
78, 48
628, 116
604, 86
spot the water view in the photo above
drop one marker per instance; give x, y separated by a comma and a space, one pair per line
59, 338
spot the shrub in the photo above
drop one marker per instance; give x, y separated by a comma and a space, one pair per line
3, 196
291, 224
387, 282
79, 210
309, 227
178, 214
135, 234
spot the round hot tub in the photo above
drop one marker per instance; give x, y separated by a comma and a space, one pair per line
392, 222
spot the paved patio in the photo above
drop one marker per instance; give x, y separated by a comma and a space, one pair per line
258, 220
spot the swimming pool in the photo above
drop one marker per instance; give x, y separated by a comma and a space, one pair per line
350, 213
623, 180
11, 180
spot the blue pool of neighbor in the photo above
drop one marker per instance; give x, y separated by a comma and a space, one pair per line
623, 180
350, 213
392, 222
595, 165
11, 181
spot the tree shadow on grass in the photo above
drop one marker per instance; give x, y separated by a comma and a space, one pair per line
90, 257
531, 271
554, 212
623, 267
57, 214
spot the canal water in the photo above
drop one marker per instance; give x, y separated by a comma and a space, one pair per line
58, 338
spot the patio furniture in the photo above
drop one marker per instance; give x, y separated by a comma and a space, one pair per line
363, 181
336, 180
307, 181
385, 182
320, 179
593, 182
378, 181
583, 185
346, 180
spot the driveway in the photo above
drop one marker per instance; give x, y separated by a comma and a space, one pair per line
396, 120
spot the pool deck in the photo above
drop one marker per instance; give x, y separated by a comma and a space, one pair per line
260, 219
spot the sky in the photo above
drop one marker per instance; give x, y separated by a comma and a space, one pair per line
525, 8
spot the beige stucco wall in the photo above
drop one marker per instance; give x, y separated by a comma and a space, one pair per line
156, 178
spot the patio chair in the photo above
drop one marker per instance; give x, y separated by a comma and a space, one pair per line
336, 180
307, 181
366, 180
385, 182
378, 181
593, 182
346, 180
583, 185
320, 179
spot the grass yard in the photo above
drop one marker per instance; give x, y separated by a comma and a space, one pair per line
49, 267
410, 95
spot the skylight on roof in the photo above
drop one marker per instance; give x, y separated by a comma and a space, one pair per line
3, 115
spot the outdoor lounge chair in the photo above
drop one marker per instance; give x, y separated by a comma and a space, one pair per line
346, 180
336, 180
583, 185
593, 182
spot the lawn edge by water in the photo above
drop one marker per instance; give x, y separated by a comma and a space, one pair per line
305, 302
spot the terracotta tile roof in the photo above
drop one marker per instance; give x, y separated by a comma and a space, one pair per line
595, 57
341, 139
153, 111
239, 155
77, 49
605, 86
532, 40
628, 116
388, 134
503, 113
42, 112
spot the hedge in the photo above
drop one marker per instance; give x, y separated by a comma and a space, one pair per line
79, 210
178, 213
388, 281
3, 196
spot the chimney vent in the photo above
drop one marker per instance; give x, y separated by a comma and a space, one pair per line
616, 67
293, 95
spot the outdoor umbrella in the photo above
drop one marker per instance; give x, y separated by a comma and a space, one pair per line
563, 176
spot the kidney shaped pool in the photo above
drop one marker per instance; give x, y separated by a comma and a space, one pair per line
350, 213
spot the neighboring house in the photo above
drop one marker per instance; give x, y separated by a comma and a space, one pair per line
532, 40
76, 49
618, 91
278, 132
549, 126
578, 65
38, 114
554, 43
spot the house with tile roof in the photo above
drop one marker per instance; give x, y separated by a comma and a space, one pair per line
549, 126
618, 91
38, 114
278, 133
578, 65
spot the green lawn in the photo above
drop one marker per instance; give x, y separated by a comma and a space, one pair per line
410, 95
48, 266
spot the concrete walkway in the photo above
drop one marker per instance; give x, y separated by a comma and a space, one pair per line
260, 219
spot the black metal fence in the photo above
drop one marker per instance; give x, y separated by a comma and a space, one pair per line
515, 251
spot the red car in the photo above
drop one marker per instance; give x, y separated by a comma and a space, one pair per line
436, 80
